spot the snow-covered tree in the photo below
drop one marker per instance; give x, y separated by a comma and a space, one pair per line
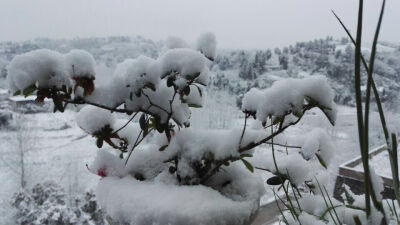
185, 175
22, 142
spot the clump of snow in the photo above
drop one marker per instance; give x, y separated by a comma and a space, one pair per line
147, 162
92, 119
114, 93
207, 44
195, 96
48, 69
317, 142
290, 96
140, 73
304, 218
238, 183
80, 63
292, 165
107, 165
160, 97
43, 68
128, 131
127, 200
196, 143
111, 95
186, 62
175, 42
149, 85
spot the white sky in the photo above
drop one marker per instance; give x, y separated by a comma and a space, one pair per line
237, 24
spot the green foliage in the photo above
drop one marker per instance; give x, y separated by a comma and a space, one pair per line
162, 148
248, 165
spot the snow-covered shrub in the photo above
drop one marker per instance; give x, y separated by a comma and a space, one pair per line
186, 175
47, 203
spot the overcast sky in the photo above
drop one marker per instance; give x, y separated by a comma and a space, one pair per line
237, 24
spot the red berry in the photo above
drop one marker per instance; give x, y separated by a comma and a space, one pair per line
101, 172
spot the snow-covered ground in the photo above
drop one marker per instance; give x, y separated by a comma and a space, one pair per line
61, 150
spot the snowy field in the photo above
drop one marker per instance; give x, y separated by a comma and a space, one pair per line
60, 150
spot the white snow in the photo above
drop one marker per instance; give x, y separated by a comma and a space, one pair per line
289, 95
80, 63
92, 119
207, 44
43, 68
175, 42
141, 202
129, 131
107, 165
377, 183
140, 72
186, 62
317, 141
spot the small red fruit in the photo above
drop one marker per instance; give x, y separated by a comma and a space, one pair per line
101, 172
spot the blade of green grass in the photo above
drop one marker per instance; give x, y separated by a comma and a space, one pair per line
360, 120
375, 90
377, 204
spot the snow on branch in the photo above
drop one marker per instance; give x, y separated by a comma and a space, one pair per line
291, 96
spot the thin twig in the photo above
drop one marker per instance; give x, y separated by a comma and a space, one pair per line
244, 129
126, 124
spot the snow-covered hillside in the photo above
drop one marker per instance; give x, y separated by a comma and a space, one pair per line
238, 70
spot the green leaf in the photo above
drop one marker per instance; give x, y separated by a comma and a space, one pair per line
297, 114
29, 90
186, 90
245, 155
357, 220
157, 124
170, 81
275, 180
321, 161
151, 86
278, 119
99, 142
142, 122
58, 105
194, 106
162, 148
183, 100
248, 165
200, 92
17, 93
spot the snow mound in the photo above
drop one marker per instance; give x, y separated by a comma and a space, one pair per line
317, 142
80, 63
127, 200
92, 119
43, 68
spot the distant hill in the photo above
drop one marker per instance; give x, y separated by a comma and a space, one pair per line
236, 71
